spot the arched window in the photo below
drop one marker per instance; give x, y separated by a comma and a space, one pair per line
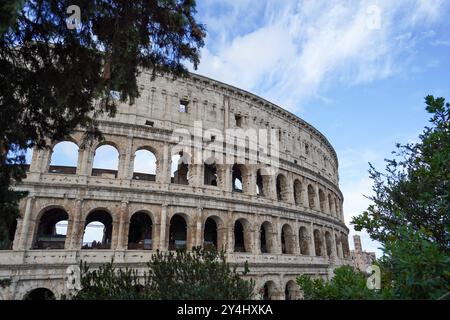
281, 187
98, 230
144, 165
322, 200
178, 233
290, 292
52, 230
311, 196
179, 169
259, 183
266, 241
269, 290
140, 232
297, 192
304, 241
210, 234
106, 162
241, 236
40, 294
64, 158
345, 247
237, 179
328, 243
210, 174
331, 205
318, 242
287, 243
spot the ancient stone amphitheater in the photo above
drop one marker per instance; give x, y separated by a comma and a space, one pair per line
285, 222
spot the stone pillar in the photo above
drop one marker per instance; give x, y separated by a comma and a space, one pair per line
122, 235
249, 182
257, 237
73, 243
163, 245
289, 192
230, 242
199, 228
312, 242
316, 198
304, 194
17, 234
165, 164
296, 238
126, 161
334, 252
276, 236
25, 233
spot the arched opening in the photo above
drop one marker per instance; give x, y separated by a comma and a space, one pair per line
311, 196
178, 233
287, 243
345, 247
297, 192
64, 158
290, 292
237, 178
241, 238
144, 165
52, 230
336, 207
322, 200
40, 294
331, 205
179, 169
106, 162
259, 183
269, 290
210, 234
210, 174
304, 241
338, 246
140, 232
98, 230
281, 188
266, 241
328, 243
318, 242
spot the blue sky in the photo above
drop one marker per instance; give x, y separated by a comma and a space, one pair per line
356, 70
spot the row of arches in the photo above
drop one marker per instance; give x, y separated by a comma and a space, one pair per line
244, 179
52, 232
269, 292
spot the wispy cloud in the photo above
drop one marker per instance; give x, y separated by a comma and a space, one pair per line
291, 50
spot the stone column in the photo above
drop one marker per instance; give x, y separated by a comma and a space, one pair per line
163, 245
73, 243
165, 163
312, 242
289, 192
296, 238
25, 233
257, 237
276, 236
199, 228
250, 183
334, 252
230, 241
123, 217
316, 197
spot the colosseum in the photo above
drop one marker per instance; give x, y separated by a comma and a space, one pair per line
284, 222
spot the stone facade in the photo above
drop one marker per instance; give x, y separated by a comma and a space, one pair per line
295, 227
361, 259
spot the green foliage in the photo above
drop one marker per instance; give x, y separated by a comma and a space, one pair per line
414, 267
180, 275
410, 212
54, 79
347, 284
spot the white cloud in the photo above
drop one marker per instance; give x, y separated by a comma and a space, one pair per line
298, 47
